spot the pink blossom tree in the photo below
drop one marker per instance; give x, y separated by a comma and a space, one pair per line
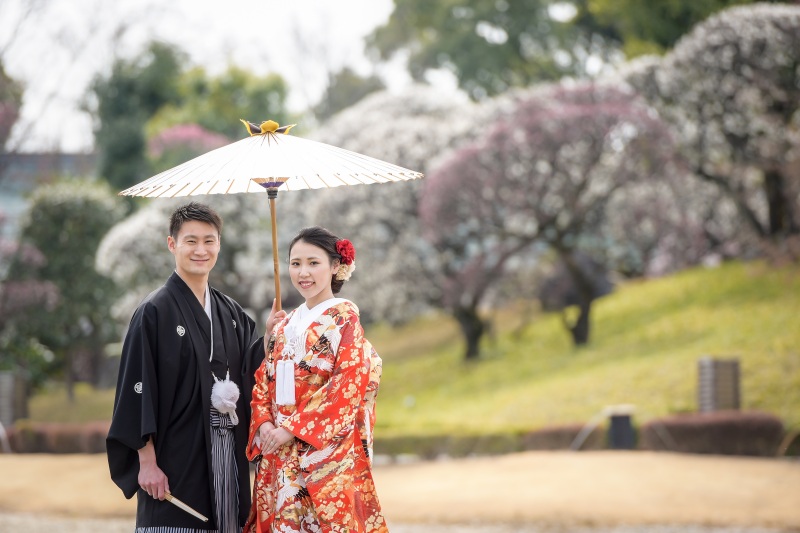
178, 144
544, 174
398, 272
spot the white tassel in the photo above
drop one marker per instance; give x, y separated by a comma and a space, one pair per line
284, 382
288, 383
224, 395
279, 382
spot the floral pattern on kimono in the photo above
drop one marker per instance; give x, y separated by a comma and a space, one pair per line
321, 481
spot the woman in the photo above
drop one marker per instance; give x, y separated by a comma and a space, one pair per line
313, 406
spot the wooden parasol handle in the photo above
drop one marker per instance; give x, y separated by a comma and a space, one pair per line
272, 194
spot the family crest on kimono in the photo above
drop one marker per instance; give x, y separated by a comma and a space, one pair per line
313, 404
180, 425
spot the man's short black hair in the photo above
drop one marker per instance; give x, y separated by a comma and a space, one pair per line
193, 211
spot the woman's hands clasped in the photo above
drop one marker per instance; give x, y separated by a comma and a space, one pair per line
272, 438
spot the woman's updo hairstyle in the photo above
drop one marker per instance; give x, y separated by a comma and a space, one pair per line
322, 238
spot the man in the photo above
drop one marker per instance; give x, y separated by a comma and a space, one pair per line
186, 343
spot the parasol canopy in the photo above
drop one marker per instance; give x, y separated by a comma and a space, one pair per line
272, 159
269, 160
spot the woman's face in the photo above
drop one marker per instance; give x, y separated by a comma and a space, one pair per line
311, 271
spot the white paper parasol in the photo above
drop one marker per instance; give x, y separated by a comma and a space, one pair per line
269, 161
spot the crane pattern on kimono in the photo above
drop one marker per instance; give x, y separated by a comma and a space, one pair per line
320, 355
289, 488
314, 457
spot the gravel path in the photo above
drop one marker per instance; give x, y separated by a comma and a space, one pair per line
536, 492
28, 523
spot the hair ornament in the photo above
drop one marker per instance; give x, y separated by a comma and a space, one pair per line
347, 263
345, 271
346, 249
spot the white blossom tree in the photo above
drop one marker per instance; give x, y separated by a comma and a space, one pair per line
731, 88
134, 252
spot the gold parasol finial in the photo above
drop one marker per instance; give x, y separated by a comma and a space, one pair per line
268, 126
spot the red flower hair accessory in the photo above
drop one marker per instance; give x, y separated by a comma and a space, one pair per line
346, 250
348, 262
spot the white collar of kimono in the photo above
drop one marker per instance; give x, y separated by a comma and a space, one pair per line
207, 307
302, 317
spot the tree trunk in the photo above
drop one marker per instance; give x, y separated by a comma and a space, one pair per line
473, 329
748, 214
781, 219
585, 292
69, 376
580, 329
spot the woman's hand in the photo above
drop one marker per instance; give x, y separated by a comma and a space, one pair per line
274, 439
274, 318
263, 435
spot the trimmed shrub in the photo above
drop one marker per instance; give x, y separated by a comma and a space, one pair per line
24, 437
425, 446
40, 437
562, 437
433, 446
720, 432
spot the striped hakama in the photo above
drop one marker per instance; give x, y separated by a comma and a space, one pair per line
226, 488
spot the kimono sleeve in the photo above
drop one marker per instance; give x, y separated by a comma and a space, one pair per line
332, 409
252, 357
136, 402
261, 402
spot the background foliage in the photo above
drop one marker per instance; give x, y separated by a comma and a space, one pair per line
563, 172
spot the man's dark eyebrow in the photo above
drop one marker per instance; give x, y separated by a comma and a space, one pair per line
190, 236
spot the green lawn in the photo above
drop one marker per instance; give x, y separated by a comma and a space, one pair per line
646, 340
52, 404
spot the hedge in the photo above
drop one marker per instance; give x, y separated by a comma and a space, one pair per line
52, 437
720, 432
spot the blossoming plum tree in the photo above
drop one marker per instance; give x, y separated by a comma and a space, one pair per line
545, 173
398, 272
731, 88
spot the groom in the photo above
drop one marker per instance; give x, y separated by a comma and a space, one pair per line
186, 342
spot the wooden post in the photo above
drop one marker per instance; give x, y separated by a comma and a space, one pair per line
718, 384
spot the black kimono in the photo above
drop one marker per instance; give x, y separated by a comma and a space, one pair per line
164, 390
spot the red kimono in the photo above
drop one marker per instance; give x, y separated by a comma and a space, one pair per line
322, 480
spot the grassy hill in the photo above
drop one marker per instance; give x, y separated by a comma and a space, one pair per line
646, 340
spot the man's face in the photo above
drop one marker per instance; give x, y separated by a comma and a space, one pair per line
195, 248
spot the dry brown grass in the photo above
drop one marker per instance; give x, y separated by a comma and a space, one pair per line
585, 488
